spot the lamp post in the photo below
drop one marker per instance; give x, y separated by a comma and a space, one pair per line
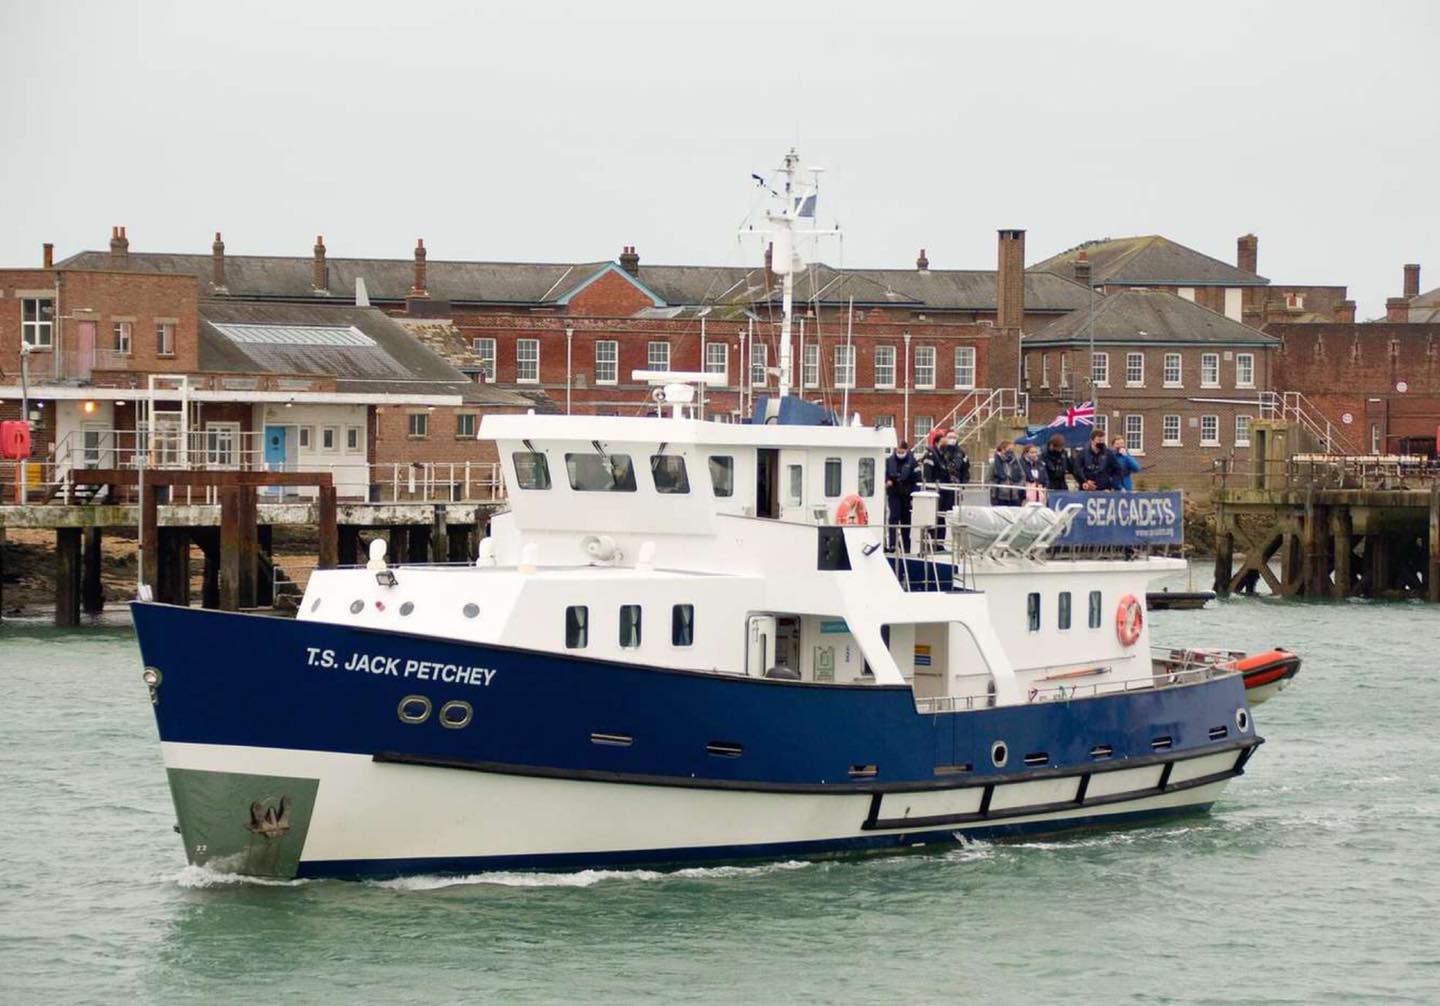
569, 336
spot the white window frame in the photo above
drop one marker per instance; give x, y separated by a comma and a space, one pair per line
607, 371
921, 427
1248, 359
38, 333
332, 434
484, 348
1135, 433
1064, 371
222, 445
307, 437
1248, 420
527, 361
1207, 359
461, 417
122, 337
1044, 370
759, 365
1100, 370
165, 338
1102, 423
657, 354
717, 359
924, 372
1210, 431
885, 422
810, 365
354, 440
1173, 363
1134, 370
965, 368
844, 366
411, 426
884, 366
1167, 424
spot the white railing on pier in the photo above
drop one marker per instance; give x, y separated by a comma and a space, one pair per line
1294, 407
979, 407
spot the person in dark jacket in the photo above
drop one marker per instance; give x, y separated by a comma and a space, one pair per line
1057, 463
1095, 466
947, 464
1034, 474
901, 476
1005, 470
1125, 464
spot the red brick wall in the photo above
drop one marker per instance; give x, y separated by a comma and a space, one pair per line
611, 294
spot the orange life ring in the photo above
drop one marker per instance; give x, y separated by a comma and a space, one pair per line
852, 511
1129, 618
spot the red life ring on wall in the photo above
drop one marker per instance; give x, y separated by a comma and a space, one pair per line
852, 511
1129, 619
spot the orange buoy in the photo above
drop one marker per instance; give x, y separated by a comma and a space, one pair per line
851, 510
1129, 619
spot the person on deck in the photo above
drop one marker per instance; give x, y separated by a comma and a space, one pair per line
1057, 463
947, 464
1034, 474
901, 476
1095, 467
1127, 465
1005, 470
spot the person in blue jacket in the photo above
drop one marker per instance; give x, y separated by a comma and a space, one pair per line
1095, 466
1127, 465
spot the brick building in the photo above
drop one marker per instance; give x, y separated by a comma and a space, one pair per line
1182, 383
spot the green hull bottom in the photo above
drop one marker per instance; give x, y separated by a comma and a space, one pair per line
231, 822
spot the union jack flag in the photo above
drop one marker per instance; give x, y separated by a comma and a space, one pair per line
1076, 415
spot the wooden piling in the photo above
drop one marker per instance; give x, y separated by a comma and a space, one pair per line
248, 544
92, 589
149, 538
329, 537
229, 548
439, 539
208, 540
172, 573
1432, 568
1342, 536
265, 560
67, 576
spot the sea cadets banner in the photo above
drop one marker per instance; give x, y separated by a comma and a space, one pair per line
1122, 518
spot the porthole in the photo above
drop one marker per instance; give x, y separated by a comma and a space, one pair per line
315, 604
1242, 720
456, 714
999, 754
413, 709
471, 610
356, 607
407, 607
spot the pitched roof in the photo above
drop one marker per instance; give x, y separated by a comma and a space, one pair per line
1149, 316
1148, 260
363, 348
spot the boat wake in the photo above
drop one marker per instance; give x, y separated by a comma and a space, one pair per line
201, 877
581, 878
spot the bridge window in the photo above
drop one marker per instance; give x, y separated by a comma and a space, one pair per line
532, 471
577, 627
832, 477
629, 626
1094, 609
1063, 608
865, 483
682, 625
595, 473
668, 471
722, 475
797, 484
1032, 611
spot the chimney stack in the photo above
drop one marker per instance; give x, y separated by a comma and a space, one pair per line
419, 289
1412, 281
922, 263
769, 265
47, 255
1082, 268
217, 263
1010, 281
629, 260
1247, 253
1345, 312
319, 273
1397, 310
119, 245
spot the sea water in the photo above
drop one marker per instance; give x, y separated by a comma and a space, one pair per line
1316, 878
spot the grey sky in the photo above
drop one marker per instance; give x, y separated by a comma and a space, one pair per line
560, 131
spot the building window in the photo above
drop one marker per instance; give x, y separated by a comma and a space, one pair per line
682, 625
596, 473
722, 475
527, 361
352, 438
1062, 610
923, 425
577, 627
1209, 431
164, 338
329, 438
924, 366
1032, 611
1044, 370
607, 362
884, 422
1135, 434
832, 477
884, 366
759, 359
865, 477
220, 440
484, 348
1170, 431
668, 473
1171, 375
418, 425
657, 355
797, 485
1209, 370
465, 425
1374, 438
1242, 431
1135, 370
1100, 370
629, 626
717, 358
1064, 371
306, 432
120, 336
37, 322
810, 365
532, 471
844, 366
1244, 370
965, 367
1187, 293
1102, 423
1094, 609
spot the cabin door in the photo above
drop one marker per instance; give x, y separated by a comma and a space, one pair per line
759, 645
767, 482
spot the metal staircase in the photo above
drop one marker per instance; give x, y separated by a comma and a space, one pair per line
1294, 407
975, 412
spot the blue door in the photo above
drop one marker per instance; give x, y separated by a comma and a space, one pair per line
275, 448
